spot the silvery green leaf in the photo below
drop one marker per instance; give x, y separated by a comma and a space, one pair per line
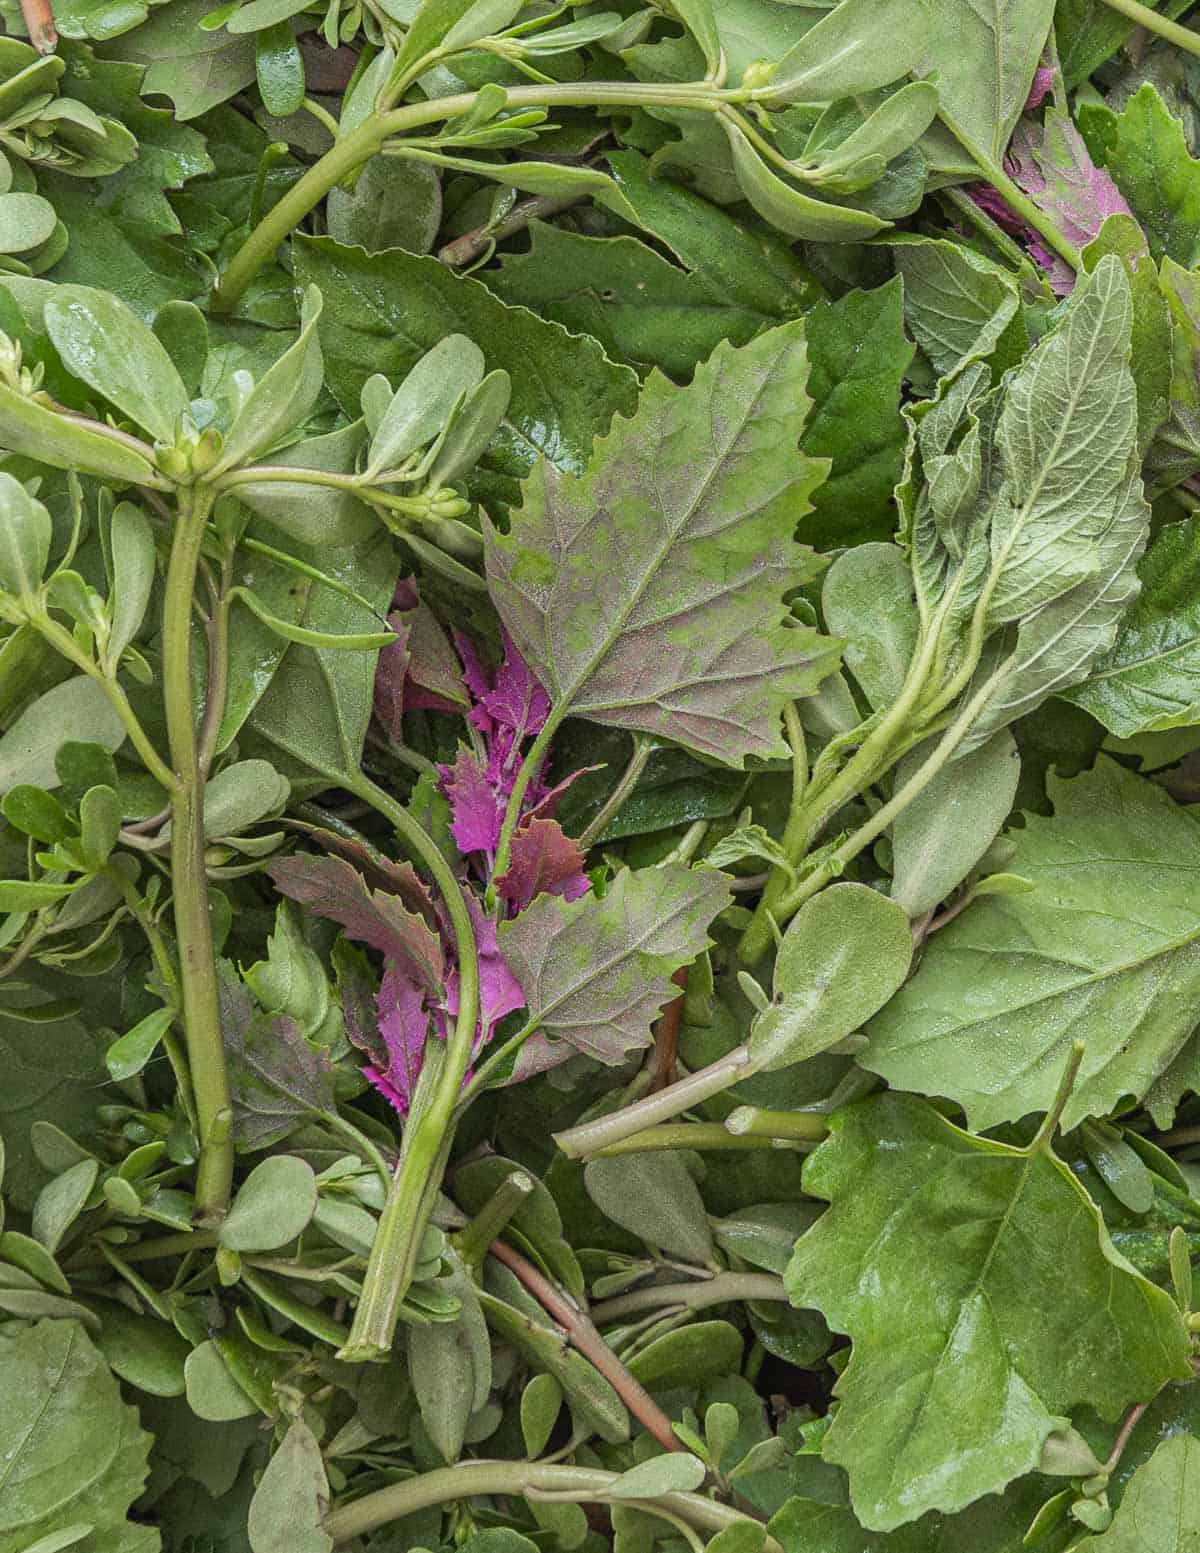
287, 1512
282, 398
75, 710
109, 347
133, 566
858, 46
272, 1206
676, 1473
654, 1197
25, 534
867, 598
472, 426
418, 410
790, 210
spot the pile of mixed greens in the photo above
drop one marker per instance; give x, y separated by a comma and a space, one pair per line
599, 751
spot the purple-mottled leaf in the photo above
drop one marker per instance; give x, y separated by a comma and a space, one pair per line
332, 888
516, 701
356, 993
1050, 162
391, 672
419, 670
403, 1027
545, 861
476, 812
1043, 85
399, 879
647, 592
276, 1079
596, 971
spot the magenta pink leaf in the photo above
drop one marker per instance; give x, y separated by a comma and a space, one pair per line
544, 860
391, 672
477, 812
403, 1028
331, 888
499, 990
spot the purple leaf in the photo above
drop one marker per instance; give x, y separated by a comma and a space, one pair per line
331, 888
544, 860
647, 592
403, 1027
596, 971
499, 990
399, 879
516, 702
477, 813
1043, 85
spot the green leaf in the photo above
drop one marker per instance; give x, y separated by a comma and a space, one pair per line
280, 70
25, 535
596, 971
272, 1207
75, 710
288, 1509
696, 1353
1160, 1509
108, 346
712, 546
748, 841
133, 565
541, 1403
654, 1197
212, 1392
73, 1451
735, 263
131, 1053
283, 397
61, 1201
1149, 161
867, 598
395, 203
99, 826
277, 1079
144, 1351
957, 1400
957, 304
1002, 992
402, 422
983, 59
858, 46
53, 438
947, 828
844, 954
37, 813
1150, 676
1151, 338
312, 721
383, 312
26, 221
786, 208
859, 357
450, 1365
677, 1473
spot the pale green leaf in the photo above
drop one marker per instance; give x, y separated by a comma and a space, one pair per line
867, 598
289, 1504
133, 561
654, 1197
76, 710
272, 1206
25, 534
1160, 1509
859, 46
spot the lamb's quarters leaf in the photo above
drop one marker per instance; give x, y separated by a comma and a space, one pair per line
739, 264
983, 57
957, 304
947, 828
596, 971
394, 203
1160, 1508
75, 710
289, 1504
1088, 32
1103, 950
1151, 336
109, 347
277, 1079
312, 721
687, 509
1174, 455
1149, 160
52, 1072
858, 356
72, 1450
957, 1400
641, 308
1150, 677
384, 311
867, 598
654, 1197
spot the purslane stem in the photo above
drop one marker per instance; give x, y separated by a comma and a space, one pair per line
361, 144
470, 1479
682, 1135
189, 878
1143, 16
429, 1129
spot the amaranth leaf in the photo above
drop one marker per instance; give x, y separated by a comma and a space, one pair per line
686, 512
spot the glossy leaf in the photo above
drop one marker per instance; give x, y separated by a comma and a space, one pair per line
991, 1322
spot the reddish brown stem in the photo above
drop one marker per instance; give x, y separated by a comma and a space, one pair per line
666, 1037
39, 23
1132, 1419
583, 1336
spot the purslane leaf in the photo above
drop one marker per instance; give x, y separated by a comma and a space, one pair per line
957, 1399
1102, 949
686, 511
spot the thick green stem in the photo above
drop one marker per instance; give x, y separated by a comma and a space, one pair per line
1143, 16
697, 1295
361, 144
470, 1479
752, 1121
682, 1135
429, 1130
189, 878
